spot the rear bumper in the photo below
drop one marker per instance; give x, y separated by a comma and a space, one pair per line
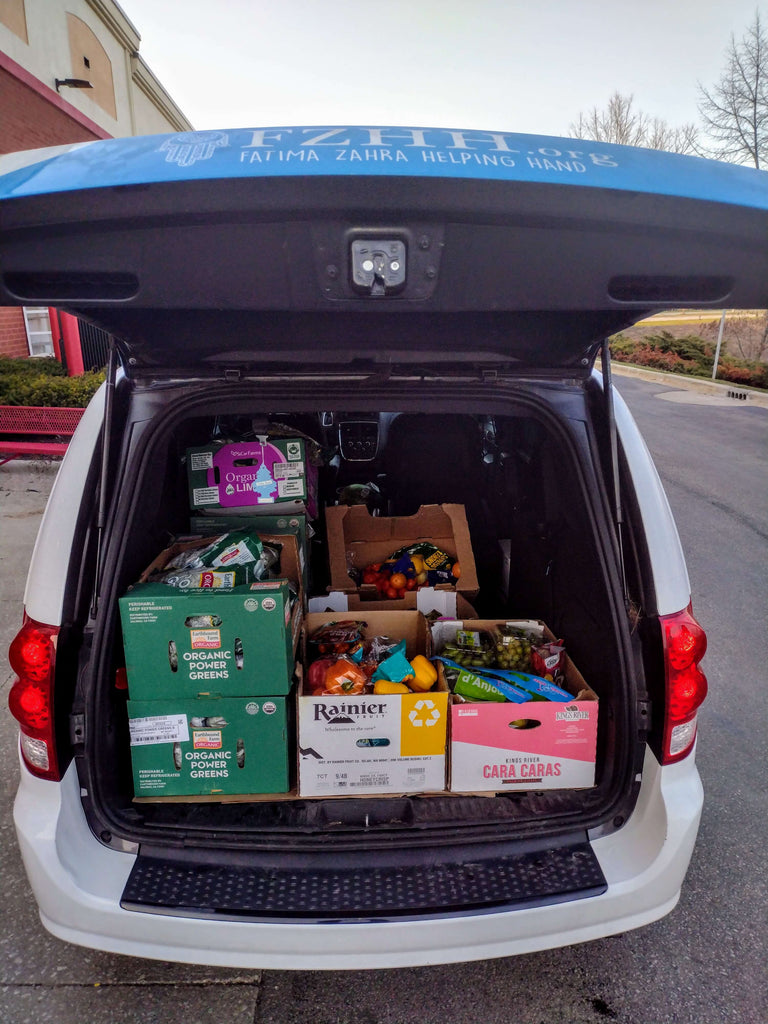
78, 884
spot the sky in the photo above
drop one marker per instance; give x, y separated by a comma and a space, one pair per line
507, 65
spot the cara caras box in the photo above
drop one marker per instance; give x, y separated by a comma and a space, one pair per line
535, 745
367, 743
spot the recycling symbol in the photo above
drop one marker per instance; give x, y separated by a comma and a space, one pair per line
421, 715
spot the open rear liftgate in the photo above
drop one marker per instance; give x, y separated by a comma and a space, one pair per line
530, 267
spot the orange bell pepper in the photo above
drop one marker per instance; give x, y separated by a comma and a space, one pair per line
344, 677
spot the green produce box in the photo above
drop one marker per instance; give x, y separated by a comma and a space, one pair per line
209, 747
228, 643
295, 524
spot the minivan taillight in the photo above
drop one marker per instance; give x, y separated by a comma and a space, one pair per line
686, 685
32, 655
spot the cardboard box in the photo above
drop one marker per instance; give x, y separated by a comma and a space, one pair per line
357, 539
209, 747
294, 523
371, 744
251, 474
537, 745
427, 599
231, 643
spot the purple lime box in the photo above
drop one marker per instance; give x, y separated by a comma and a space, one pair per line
252, 475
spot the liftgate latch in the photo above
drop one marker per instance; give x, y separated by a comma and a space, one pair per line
378, 266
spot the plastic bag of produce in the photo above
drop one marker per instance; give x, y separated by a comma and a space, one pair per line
227, 560
338, 637
472, 648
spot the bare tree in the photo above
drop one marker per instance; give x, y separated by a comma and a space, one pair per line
621, 123
746, 333
735, 111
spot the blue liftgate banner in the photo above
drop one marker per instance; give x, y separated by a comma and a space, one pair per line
377, 151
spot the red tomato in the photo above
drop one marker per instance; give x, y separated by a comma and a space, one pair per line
392, 593
411, 584
316, 673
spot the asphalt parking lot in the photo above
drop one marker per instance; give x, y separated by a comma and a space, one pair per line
704, 964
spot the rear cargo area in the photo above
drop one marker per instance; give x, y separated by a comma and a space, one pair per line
542, 549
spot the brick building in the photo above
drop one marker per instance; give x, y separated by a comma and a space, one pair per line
70, 71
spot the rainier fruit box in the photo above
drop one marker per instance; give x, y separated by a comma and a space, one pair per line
207, 747
367, 743
357, 539
258, 474
536, 745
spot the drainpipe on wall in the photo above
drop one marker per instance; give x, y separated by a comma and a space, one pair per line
70, 336
130, 61
55, 321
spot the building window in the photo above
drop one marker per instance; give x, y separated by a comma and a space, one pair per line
13, 16
87, 52
39, 335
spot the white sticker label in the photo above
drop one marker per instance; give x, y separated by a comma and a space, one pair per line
205, 495
291, 488
284, 470
201, 460
159, 729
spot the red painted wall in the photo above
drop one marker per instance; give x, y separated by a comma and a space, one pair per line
29, 121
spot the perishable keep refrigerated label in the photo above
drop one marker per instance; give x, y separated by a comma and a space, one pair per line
290, 488
159, 729
205, 495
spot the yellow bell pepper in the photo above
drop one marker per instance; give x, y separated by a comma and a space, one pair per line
382, 686
424, 674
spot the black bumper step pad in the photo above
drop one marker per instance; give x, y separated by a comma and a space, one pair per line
422, 882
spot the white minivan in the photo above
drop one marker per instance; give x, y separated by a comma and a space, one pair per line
429, 310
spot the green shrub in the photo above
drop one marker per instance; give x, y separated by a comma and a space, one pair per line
37, 367
46, 388
689, 355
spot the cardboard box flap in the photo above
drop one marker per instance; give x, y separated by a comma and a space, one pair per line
356, 538
410, 626
290, 560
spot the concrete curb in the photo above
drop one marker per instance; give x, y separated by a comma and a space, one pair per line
29, 467
715, 388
